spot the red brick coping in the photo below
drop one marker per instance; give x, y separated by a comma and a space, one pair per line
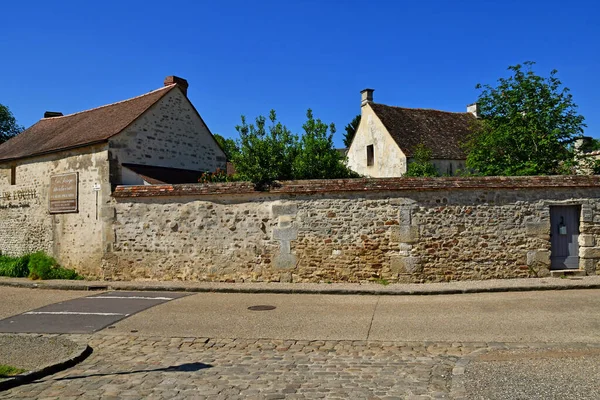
361, 185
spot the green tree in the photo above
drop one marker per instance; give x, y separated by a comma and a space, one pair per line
351, 131
228, 145
266, 153
317, 158
527, 125
8, 124
421, 164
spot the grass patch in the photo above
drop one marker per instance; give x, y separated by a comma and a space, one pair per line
8, 371
35, 266
382, 281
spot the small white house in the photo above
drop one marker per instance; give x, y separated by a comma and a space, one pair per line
387, 136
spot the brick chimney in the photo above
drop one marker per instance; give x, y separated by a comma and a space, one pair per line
175, 80
52, 114
474, 109
366, 96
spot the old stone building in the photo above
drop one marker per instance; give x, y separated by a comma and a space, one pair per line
56, 177
387, 136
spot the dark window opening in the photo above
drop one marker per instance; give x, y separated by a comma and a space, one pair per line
13, 175
370, 155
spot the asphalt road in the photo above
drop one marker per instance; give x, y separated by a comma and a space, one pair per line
84, 314
551, 316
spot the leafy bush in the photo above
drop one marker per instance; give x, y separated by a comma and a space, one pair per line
14, 267
35, 266
271, 152
218, 176
421, 165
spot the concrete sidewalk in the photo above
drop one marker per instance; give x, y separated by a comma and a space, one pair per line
487, 286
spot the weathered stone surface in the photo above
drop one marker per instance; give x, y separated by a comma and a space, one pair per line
76, 240
404, 234
587, 240
538, 228
278, 209
404, 265
538, 257
588, 265
346, 236
587, 213
289, 232
589, 252
285, 261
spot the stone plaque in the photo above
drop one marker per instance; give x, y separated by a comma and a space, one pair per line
63, 194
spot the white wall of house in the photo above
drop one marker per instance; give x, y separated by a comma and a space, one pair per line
389, 160
170, 134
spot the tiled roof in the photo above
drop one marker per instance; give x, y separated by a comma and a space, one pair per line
441, 131
50, 135
161, 175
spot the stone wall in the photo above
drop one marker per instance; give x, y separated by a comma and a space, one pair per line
170, 134
26, 225
405, 230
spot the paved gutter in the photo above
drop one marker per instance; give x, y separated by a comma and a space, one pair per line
487, 286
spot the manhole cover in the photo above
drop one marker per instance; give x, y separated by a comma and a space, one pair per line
261, 308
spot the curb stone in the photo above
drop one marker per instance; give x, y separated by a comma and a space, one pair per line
82, 352
224, 288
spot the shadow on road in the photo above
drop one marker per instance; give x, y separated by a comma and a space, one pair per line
187, 367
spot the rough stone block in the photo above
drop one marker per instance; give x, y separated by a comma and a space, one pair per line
284, 221
589, 252
538, 228
287, 233
538, 257
404, 265
278, 209
404, 216
589, 265
404, 234
587, 213
285, 247
285, 277
587, 240
285, 261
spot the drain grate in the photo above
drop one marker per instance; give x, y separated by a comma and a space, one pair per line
261, 308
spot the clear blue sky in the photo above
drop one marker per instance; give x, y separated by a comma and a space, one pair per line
246, 57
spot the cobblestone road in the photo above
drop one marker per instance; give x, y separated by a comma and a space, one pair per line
130, 367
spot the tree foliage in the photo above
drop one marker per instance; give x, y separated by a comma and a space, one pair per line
527, 125
228, 145
421, 164
351, 131
316, 157
269, 151
8, 124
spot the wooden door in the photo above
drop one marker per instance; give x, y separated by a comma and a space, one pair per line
564, 235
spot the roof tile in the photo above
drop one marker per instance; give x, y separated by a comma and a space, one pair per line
441, 131
80, 129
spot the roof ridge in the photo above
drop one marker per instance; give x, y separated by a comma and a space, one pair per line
111, 104
423, 109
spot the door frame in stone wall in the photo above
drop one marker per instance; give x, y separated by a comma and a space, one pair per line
564, 236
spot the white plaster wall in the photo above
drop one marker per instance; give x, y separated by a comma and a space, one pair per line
389, 160
170, 134
26, 226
